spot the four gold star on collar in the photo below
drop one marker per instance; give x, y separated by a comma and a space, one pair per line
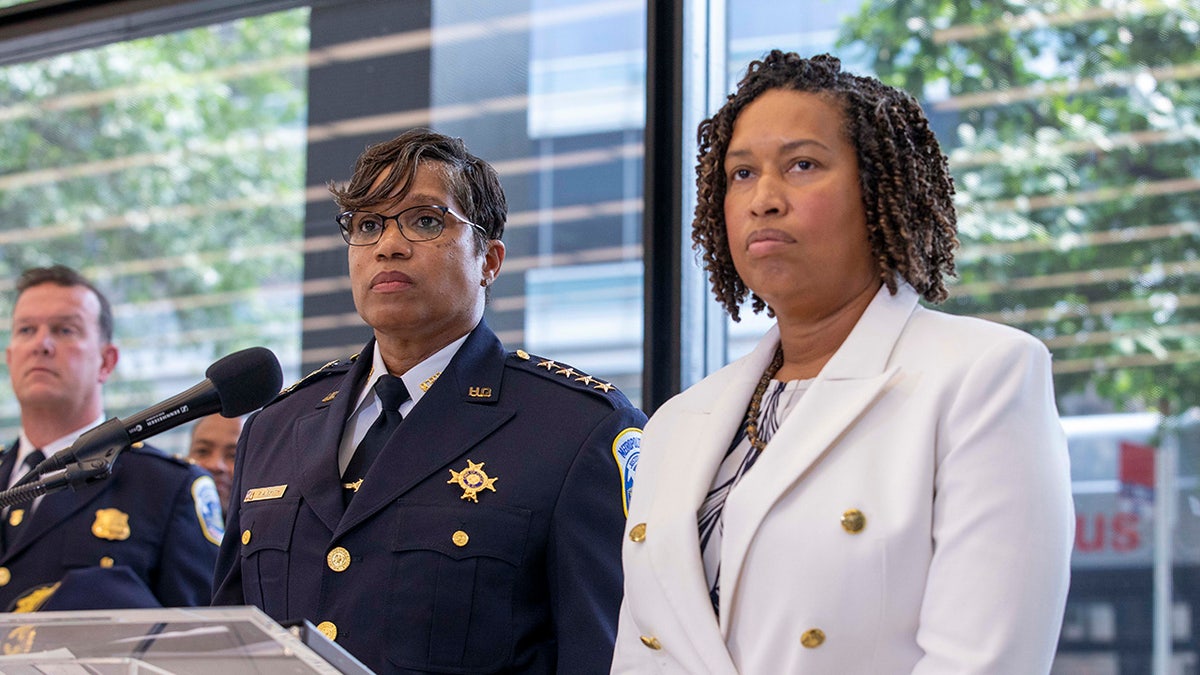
569, 372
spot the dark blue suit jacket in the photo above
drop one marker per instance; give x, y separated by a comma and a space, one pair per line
155, 516
527, 579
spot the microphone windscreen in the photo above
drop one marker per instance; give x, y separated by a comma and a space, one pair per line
246, 380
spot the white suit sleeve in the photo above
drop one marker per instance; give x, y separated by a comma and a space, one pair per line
1003, 521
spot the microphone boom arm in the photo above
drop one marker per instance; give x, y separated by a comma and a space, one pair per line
74, 475
103, 443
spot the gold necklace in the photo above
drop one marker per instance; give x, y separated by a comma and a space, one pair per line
756, 399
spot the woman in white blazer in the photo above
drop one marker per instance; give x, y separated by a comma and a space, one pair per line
878, 487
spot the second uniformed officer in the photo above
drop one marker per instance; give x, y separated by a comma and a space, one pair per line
146, 536
482, 532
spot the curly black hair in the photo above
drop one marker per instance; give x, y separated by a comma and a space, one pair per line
907, 191
472, 181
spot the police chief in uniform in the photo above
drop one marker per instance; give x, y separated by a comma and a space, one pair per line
485, 535
146, 536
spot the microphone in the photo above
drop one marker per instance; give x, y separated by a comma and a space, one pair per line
235, 385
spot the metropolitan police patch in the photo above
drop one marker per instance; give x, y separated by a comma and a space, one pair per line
625, 448
208, 508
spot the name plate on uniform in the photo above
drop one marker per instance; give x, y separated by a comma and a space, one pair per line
259, 494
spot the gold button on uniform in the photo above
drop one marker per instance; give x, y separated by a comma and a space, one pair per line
853, 521
245, 537
5, 576
651, 642
338, 559
638, 533
813, 638
106, 562
328, 629
460, 538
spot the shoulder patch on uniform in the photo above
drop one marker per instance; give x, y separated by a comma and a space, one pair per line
208, 508
561, 373
334, 367
626, 448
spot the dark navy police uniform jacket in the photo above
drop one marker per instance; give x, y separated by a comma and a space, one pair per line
146, 536
486, 538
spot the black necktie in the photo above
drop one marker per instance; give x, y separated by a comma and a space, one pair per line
392, 393
14, 516
31, 460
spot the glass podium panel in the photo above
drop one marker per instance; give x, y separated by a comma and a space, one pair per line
169, 641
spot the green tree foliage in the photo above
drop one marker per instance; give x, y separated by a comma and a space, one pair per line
170, 170
1073, 136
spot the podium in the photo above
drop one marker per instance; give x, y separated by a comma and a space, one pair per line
170, 641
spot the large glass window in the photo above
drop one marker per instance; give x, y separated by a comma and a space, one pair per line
1072, 138
170, 171
186, 174
556, 94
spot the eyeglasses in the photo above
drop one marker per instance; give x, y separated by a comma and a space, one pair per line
416, 223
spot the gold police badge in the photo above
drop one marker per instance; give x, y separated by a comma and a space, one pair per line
472, 479
111, 524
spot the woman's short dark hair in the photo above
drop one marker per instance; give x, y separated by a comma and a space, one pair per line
907, 191
472, 182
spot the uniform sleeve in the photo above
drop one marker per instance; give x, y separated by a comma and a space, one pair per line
189, 548
1003, 521
585, 547
227, 577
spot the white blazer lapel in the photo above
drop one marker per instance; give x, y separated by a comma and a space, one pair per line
853, 379
684, 477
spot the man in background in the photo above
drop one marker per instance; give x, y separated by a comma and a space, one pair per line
147, 535
214, 447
